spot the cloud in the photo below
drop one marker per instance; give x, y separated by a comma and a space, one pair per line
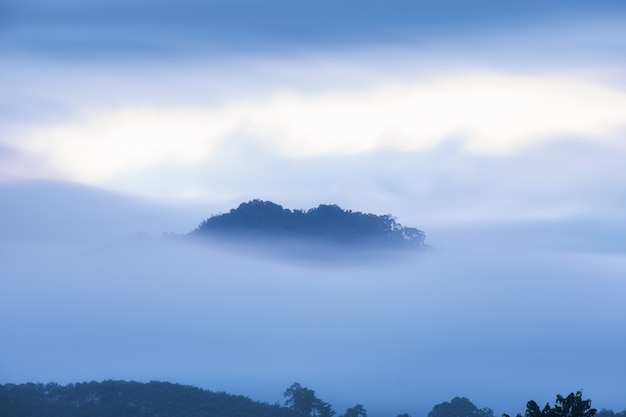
111, 144
489, 113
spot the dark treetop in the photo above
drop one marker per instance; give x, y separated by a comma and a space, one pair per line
325, 223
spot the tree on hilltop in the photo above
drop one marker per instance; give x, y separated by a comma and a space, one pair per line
304, 401
459, 407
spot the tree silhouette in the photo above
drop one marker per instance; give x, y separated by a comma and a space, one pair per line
459, 407
356, 411
571, 406
303, 401
300, 399
327, 222
323, 409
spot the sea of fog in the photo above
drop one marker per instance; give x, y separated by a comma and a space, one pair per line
84, 297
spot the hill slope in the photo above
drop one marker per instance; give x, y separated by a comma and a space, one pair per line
128, 399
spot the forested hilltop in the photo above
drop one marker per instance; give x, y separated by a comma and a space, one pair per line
128, 399
325, 223
163, 399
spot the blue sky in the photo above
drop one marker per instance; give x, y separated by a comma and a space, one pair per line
496, 127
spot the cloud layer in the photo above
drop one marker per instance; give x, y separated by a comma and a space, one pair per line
487, 113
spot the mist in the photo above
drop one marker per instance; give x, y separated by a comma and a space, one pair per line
500, 323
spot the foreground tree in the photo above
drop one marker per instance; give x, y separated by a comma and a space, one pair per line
571, 406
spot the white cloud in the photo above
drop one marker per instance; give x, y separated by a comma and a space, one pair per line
107, 144
491, 113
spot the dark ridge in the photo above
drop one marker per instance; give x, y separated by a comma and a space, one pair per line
129, 399
325, 223
164, 399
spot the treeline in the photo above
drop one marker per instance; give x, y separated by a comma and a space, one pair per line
128, 399
163, 399
304, 401
259, 218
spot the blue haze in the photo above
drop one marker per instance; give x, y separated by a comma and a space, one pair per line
500, 324
523, 298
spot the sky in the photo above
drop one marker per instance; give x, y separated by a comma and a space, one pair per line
496, 127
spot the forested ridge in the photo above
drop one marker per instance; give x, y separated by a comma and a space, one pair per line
128, 399
327, 222
163, 399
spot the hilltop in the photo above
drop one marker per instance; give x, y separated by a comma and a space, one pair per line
326, 223
129, 399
